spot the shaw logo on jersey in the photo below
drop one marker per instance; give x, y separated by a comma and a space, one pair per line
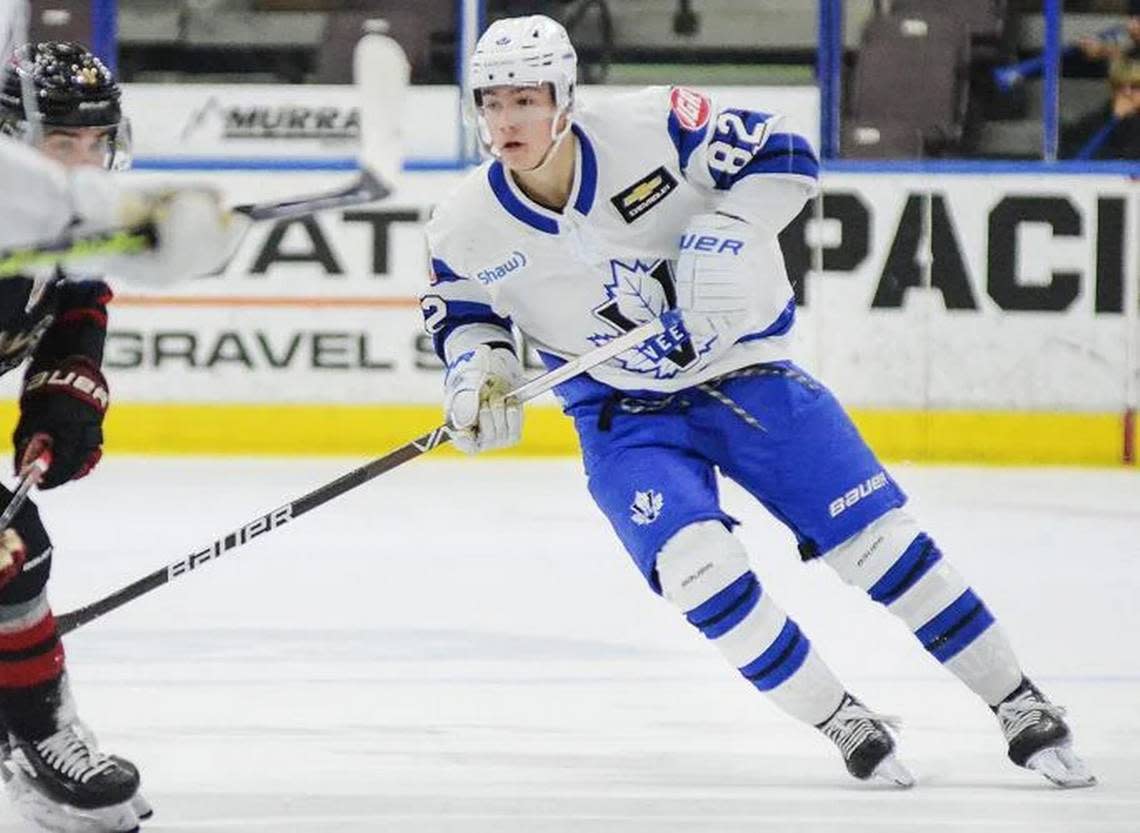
488, 276
691, 108
644, 194
853, 496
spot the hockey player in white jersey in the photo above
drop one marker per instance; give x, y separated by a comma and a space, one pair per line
589, 222
44, 200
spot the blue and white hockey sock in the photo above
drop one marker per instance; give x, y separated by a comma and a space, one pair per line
704, 571
902, 568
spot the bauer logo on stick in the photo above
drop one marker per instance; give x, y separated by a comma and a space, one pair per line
690, 107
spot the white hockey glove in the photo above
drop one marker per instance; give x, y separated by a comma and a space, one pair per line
475, 403
195, 234
717, 280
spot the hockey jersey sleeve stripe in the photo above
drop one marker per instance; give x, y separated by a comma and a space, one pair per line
684, 140
461, 313
76, 316
588, 183
514, 206
779, 327
443, 273
783, 153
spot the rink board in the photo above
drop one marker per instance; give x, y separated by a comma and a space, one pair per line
999, 437
972, 316
1016, 344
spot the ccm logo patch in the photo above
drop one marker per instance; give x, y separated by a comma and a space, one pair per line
690, 107
643, 194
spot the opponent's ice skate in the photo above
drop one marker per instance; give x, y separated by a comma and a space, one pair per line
867, 747
1038, 737
64, 783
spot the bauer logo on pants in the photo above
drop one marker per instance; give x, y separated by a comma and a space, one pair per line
853, 496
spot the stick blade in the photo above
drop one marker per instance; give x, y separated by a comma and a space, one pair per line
381, 73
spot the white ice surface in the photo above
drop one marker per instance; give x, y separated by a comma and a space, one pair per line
464, 646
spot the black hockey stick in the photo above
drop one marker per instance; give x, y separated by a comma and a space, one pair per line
30, 478
270, 521
367, 188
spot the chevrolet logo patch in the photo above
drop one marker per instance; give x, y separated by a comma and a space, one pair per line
643, 194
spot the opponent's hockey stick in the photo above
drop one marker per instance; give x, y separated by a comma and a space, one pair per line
667, 324
31, 477
20, 259
17, 261
381, 76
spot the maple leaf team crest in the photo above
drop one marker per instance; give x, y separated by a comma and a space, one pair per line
647, 507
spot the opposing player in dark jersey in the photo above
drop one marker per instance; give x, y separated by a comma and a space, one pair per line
55, 325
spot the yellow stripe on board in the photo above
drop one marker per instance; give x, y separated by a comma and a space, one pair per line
1001, 437
998, 437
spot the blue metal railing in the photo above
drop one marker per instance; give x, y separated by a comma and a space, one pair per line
830, 64
1051, 90
105, 32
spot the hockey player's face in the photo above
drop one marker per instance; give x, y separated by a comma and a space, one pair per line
520, 120
78, 147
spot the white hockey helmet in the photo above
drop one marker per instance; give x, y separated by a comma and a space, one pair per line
526, 51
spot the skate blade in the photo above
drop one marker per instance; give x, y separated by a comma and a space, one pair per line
1060, 765
63, 818
890, 769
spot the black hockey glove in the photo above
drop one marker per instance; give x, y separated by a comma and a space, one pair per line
65, 395
61, 411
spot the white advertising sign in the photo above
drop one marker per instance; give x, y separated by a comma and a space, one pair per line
1024, 305
244, 121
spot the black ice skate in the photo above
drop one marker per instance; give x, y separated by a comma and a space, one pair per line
1038, 737
867, 746
64, 783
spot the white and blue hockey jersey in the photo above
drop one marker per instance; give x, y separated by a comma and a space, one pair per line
570, 281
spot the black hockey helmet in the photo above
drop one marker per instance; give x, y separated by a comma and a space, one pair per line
72, 87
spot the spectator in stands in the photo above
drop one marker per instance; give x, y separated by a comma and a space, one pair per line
1127, 45
1112, 132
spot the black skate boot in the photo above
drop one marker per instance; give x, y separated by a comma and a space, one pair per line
867, 747
1038, 737
64, 783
